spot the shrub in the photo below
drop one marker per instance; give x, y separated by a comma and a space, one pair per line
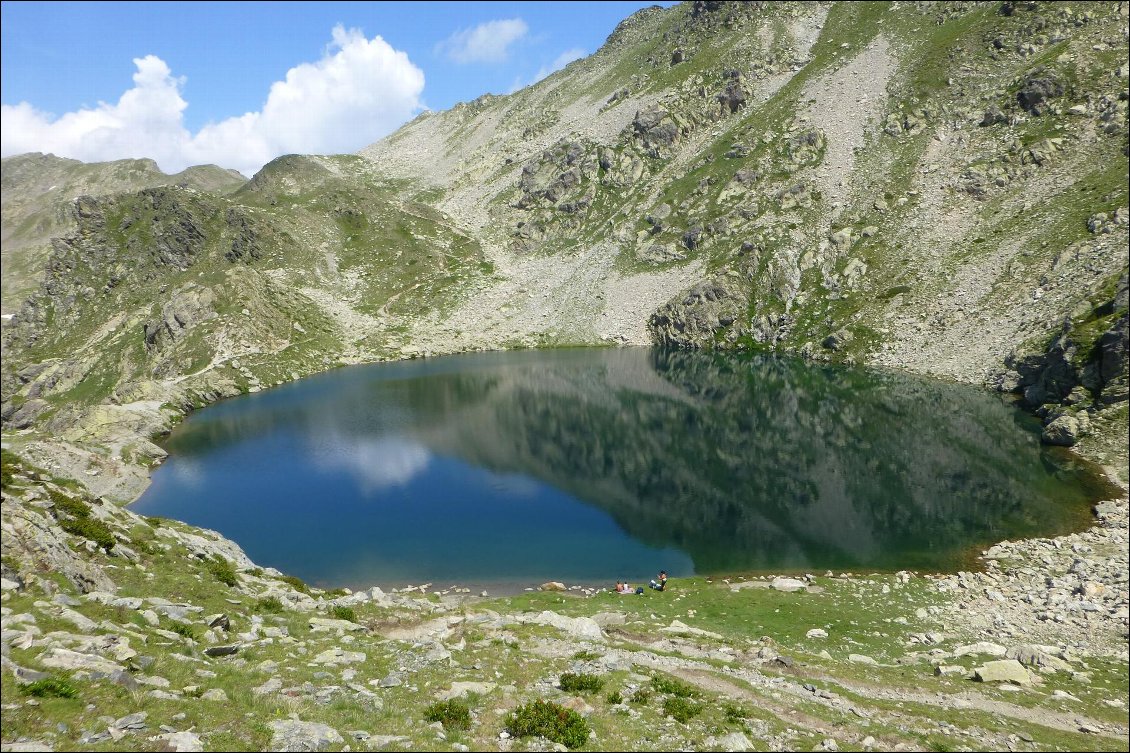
734, 713
256, 572
296, 583
51, 687
680, 709
549, 720
451, 714
185, 631
9, 464
78, 521
671, 686
343, 613
614, 698
580, 683
641, 696
89, 528
586, 655
270, 604
76, 508
222, 570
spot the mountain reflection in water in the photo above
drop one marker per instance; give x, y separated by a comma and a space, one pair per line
601, 464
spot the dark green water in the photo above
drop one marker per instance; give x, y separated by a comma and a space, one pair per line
509, 469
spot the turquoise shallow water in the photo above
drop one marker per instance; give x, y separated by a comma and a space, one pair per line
588, 466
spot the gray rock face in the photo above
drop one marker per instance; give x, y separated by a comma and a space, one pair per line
1037, 90
733, 96
655, 127
186, 308
698, 316
1114, 362
30, 536
292, 735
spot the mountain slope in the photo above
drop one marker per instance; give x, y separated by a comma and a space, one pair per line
939, 187
37, 205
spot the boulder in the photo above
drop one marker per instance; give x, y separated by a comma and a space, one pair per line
179, 742
460, 689
1037, 90
983, 647
788, 585
1005, 670
1064, 431
292, 735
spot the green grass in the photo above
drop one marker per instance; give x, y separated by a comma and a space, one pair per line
51, 687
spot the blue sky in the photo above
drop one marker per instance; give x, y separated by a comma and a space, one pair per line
192, 82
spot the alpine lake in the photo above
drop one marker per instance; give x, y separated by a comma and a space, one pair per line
587, 466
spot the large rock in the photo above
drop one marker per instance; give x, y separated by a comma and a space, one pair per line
290, 735
70, 661
583, 628
1037, 90
1005, 670
326, 624
984, 648
788, 585
179, 742
460, 689
1064, 431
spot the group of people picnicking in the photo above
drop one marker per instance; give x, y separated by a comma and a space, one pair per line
658, 584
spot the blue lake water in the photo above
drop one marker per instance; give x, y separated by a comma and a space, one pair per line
505, 470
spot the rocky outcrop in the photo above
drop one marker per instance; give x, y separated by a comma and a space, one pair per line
709, 312
187, 307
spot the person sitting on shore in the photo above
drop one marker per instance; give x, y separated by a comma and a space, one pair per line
626, 588
660, 583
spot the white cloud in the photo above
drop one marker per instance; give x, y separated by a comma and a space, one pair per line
374, 464
562, 60
360, 90
486, 43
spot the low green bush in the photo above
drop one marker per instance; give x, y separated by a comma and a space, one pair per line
343, 613
270, 604
453, 714
89, 528
77, 520
222, 570
641, 697
671, 686
735, 714
680, 709
581, 683
549, 720
614, 698
185, 631
51, 687
296, 583
76, 508
9, 464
